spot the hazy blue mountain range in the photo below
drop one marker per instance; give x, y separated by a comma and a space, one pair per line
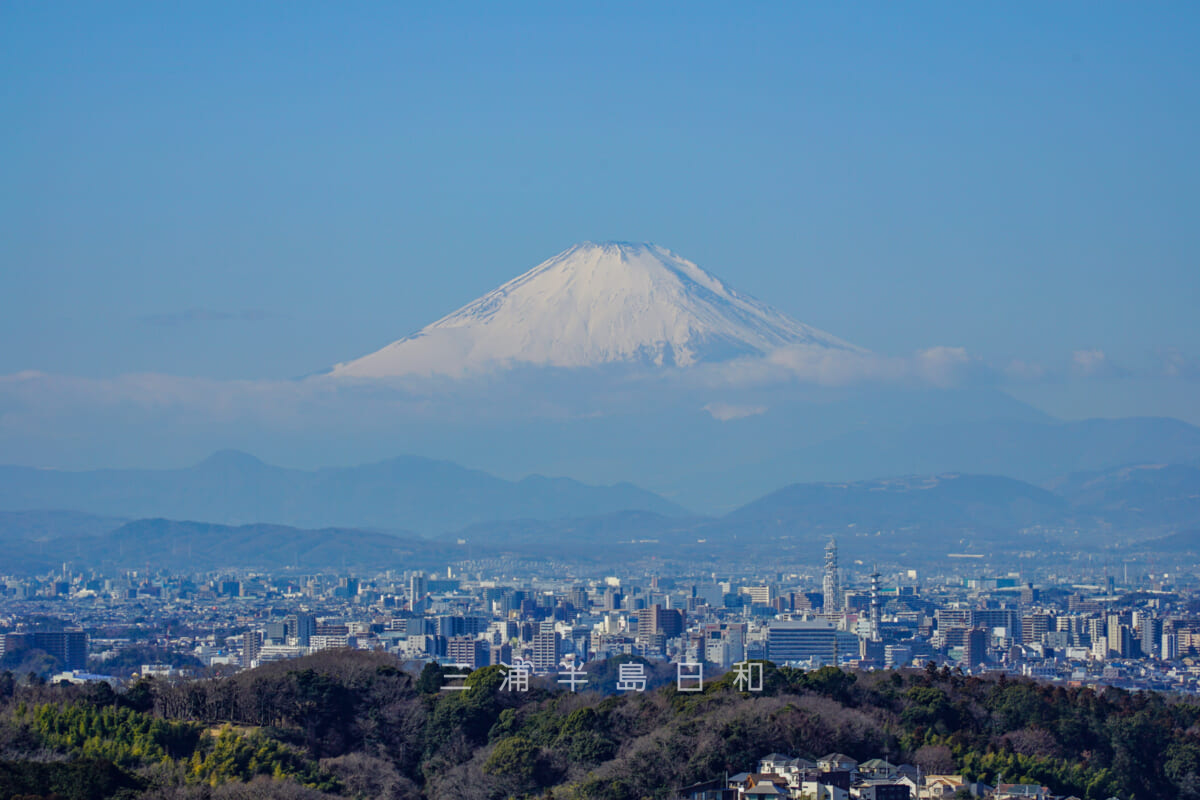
1136, 496
177, 545
929, 515
955, 501
1037, 451
405, 493
1182, 542
44, 525
1150, 506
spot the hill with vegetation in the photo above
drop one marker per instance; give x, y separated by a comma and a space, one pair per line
354, 724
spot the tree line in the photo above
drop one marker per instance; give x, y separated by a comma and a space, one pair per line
354, 724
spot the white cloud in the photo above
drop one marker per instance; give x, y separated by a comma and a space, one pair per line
725, 412
1095, 363
825, 367
1177, 365
942, 366
1089, 362
1024, 371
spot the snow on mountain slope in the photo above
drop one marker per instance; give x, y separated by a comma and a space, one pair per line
596, 304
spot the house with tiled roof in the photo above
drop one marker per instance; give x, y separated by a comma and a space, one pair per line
766, 790
837, 762
939, 786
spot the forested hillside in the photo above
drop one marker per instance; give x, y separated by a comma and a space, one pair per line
353, 724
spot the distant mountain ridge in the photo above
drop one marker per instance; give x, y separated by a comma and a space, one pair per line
202, 546
403, 493
986, 502
928, 515
1133, 495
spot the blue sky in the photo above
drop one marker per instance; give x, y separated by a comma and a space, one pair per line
257, 191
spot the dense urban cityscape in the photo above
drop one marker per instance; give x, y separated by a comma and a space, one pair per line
1138, 635
560, 634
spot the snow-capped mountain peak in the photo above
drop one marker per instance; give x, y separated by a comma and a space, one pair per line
593, 304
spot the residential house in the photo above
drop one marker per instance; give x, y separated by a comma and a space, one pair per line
876, 769
1021, 791
837, 762
793, 769
816, 790
766, 790
941, 786
775, 762
708, 790
880, 790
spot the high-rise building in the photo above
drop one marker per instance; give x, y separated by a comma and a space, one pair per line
416, 590
1169, 650
546, 652
992, 618
656, 620
801, 641
275, 632
876, 608
1034, 627
251, 646
1150, 630
832, 584
612, 599
451, 625
468, 650
70, 647
975, 647
500, 654
578, 597
301, 627
896, 655
759, 595
1118, 636
948, 618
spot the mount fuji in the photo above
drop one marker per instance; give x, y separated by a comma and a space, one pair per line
596, 304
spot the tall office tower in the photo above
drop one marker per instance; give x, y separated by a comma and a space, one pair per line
545, 652
832, 586
578, 597
1169, 650
876, 610
251, 646
668, 622
975, 647
1150, 631
801, 641
416, 590
1117, 644
301, 627
467, 650
1034, 627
